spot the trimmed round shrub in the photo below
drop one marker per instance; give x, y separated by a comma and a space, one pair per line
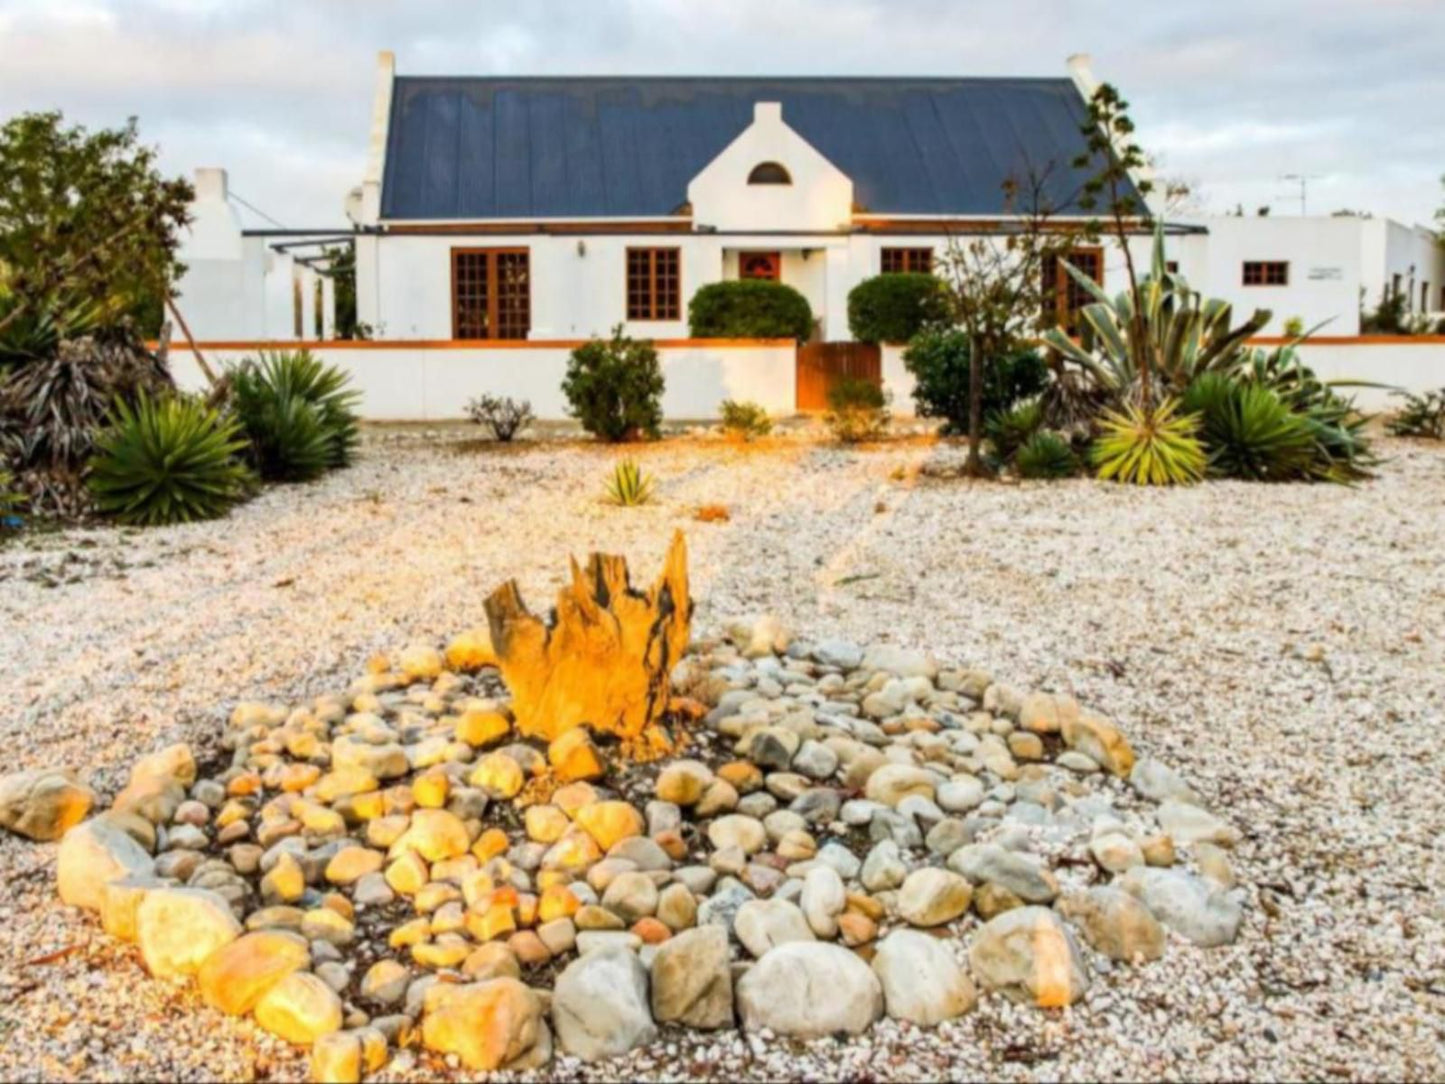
894, 308
749, 309
168, 460
614, 387
938, 359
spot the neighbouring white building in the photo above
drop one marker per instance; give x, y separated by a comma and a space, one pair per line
499, 213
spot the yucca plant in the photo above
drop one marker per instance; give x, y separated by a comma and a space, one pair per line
1046, 455
1143, 446
1421, 416
297, 415
1249, 432
629, 486
1009, 430
168, 460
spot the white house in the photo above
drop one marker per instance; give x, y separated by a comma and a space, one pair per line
501, 220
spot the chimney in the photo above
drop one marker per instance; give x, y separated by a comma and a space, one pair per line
370, 210
1081, 71
211, 184
769, 112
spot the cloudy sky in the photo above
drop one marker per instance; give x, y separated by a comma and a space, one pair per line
1230, 94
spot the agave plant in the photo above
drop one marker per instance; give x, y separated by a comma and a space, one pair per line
297, 414
1008, 430
1249, 431
1154, 446
1179, 334
168, 460
629, 486
1046, 455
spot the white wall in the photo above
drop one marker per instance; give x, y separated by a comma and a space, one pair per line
1414, 364
411, 383
1412, 253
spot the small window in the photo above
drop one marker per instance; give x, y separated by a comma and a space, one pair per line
654, 283
1063, 296
905, 260
769, 173
1266, 273
1424, 297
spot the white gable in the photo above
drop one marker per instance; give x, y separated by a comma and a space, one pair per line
819, 197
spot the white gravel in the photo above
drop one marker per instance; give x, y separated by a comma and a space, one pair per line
1283, 647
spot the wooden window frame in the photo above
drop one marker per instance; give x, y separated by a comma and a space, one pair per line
1061, 313
907, 258
657, 311
494, 300
1262, 273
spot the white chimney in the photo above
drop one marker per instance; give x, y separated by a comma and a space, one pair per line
1081, 71
211, 184
370, 211
769, 112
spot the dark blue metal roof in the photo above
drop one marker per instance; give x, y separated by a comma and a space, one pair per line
477, 148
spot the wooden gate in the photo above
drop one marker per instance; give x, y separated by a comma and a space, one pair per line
821, 365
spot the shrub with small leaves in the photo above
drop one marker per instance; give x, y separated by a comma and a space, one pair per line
749, 309
503, 415
893, 308
745, 420
857, 410
1421, 416
614, 387
168, 460
1046, 455
629, 485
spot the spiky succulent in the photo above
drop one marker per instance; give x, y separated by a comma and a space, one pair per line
1046, 455
629, 485
1154, 447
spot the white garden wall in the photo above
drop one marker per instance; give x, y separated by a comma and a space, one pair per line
428, 382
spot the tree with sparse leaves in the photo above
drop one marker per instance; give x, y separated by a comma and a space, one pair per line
997, 289
87, 220
1116, 191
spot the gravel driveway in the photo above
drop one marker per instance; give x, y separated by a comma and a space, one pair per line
1283, 647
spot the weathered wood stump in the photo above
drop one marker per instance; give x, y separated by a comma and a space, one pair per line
604, 658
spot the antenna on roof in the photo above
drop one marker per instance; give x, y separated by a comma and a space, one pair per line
1304, 180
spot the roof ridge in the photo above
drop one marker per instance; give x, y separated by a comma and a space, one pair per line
656, 77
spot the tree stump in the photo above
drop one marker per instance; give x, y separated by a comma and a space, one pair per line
603, 660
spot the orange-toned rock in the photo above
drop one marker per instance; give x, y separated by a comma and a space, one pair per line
430, 789
471, 650
499, 775
672, 844
530, 950
481, 728
1099, 740
557, 902
608, 823
489, 1025
300, 1009
494, 960
407, 874
435, 834
527, 905
297, 777
744, 776
546, 823
651, 931
496, 921
235, 977
367, 807
573, 853
573, 756
490, 843
856, 928
574, 796
865, 905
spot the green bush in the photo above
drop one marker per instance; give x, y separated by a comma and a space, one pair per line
749, 309
614, 387
857, 410
296, 413
1158, 447
1421, 416
168, 460
745, 421
629, 485
938, 359
1046, 455
894, 308
1248, 431
1009, 430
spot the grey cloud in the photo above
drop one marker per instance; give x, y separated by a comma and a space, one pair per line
1232, 95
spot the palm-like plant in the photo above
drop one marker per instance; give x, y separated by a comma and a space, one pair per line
1046, 455
168, 460
1008, 430
297, 413
629, 486
1155, 446
1249, 432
